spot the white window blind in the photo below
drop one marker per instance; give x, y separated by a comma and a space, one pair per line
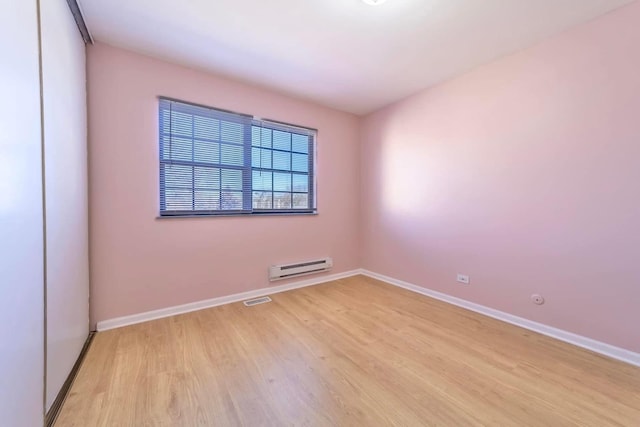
217, 162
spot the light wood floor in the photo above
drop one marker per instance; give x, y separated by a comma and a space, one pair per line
354, 352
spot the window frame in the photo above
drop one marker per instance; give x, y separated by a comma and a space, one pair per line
247, 192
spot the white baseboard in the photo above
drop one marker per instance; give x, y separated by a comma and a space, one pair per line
213, 302
562, 335
578, 340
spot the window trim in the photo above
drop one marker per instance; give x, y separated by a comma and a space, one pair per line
312, 192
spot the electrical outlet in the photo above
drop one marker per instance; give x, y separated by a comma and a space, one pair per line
462, 278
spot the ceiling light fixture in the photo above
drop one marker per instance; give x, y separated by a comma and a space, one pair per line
374, 2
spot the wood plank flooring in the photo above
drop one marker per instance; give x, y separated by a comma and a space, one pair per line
354, 352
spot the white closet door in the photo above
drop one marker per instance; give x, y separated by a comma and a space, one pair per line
65, 152
21, 234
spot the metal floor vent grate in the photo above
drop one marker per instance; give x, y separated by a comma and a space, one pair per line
256, 301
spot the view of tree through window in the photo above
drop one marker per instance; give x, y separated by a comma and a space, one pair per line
213, 161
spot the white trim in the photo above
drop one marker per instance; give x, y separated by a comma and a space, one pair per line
559, 334
562, 335
132, 319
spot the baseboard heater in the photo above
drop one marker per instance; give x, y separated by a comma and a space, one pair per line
286, 271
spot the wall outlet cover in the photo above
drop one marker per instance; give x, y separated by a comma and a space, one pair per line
462, 278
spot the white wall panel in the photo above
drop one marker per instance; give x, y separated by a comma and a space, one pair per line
21, 224
65, 152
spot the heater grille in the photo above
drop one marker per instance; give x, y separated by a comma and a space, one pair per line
285, 271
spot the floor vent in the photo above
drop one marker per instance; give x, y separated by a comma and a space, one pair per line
256, 301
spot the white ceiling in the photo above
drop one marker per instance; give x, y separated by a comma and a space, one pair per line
340, 53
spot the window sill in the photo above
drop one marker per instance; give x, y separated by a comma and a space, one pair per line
256, 215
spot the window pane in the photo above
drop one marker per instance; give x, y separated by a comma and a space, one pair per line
281, 181
231, 155
265, 158
300, 162
281, 160
205, 127
207, 200
181, 124
231, 132
282, 200
178, 176
231, 179
262, 199
301, 183
262, 180
206, 152
281, 140
207, 178
300, 143
178, 200
300, 201
255, 157
255, 136
261, 137
230, 200
175, 148
264, 136
260, 158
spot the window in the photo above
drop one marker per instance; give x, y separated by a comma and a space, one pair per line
216, 162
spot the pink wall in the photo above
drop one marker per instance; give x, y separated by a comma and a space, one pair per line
140, 263
524, 174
